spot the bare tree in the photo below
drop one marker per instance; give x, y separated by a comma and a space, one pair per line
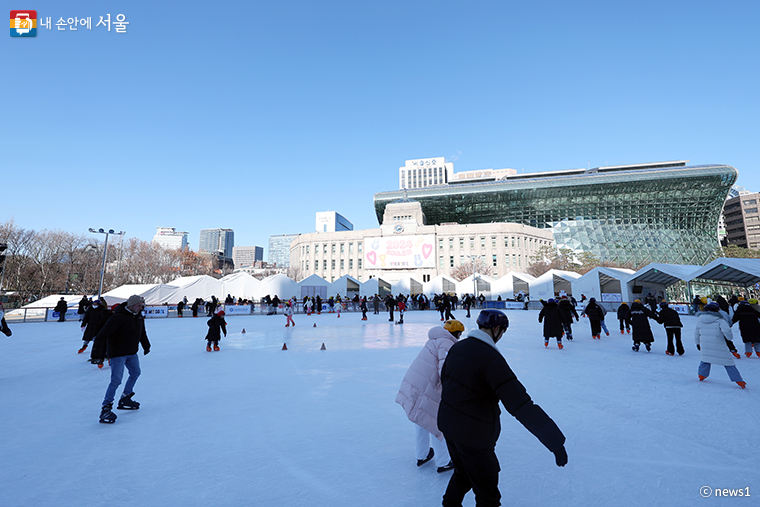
475, 265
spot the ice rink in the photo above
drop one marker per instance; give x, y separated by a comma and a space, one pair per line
257, 425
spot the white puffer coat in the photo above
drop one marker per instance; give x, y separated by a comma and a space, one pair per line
711, 334
420, 392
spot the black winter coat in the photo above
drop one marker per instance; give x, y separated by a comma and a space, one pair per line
622, 311
94, 319
122, 334
749, 325
668, 317
554, 319
216, 325
475, 376
638, 318
568, 309
594, 312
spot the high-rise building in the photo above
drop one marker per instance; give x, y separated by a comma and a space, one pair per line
247, 255
330, 221
630, 215
741, 215
279, 250
219, 241
170, 238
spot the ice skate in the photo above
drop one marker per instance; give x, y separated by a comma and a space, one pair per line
127, 403
743, 385
635, 348
430, 455
216, 347
84, 347
446, 468
560, 346
701, 378
546, 343
748, 354
106, 415
669, 353
208, 348
648, 346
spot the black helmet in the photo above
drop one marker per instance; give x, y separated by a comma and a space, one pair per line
493, 318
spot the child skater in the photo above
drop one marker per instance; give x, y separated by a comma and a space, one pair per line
363, 307
309, 305
401, 305
712, 335
289, 314
216, 325
554, 322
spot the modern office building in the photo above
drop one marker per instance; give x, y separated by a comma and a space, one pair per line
429, 172
218, 241
170, 238
246, 255
404, 246
741, 216
630, 215
330, 221
279, 250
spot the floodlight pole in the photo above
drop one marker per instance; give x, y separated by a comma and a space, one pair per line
105, 252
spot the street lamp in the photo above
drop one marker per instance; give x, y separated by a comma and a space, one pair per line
474, 273
105, 251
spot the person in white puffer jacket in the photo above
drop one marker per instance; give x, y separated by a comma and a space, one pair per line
420, 394
713, 336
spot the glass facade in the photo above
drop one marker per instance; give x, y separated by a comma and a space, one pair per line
630, 215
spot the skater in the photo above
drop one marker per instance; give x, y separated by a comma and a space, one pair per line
622, 315
216, 326
749, 326
363, 307
390, 304
475, 376
638, 318
195, 306
288, 311
420, 394
338, 305
94, 320
308, 304
713, 336
669, 318
595, 315
376, 304
61, 307
568, 310
468, 302
84, 304
180, 307
401, 304
122, 334
446, 307
554, 322
4, 325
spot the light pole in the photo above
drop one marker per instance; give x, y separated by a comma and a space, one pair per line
474, 274
105, 251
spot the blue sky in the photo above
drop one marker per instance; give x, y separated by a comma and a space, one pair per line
256, 115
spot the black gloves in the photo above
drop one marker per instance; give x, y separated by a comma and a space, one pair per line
698, 347
560, 456
145, 352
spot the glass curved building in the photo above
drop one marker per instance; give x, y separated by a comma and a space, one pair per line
630, 215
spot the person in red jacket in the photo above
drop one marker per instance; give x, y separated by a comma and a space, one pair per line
474, 378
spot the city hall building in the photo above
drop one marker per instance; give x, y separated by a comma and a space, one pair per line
630, 215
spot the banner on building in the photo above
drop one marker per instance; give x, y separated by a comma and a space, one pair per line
399, 252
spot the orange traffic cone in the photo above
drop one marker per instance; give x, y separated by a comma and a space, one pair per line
323, 347
284, 346
315, 324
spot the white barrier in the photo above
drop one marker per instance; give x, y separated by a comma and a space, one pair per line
237, 309
71, 314
682, 309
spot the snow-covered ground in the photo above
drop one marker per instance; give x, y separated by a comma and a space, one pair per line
256, 425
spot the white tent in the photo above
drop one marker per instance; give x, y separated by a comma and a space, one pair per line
51, 301
439, 285
656, 277
603, 284
240, 285
278, 285
344, 286
202, 286
484, 283
154, 294
369, 288
739, 272
407, 285
551, 283
313, 285
509, 285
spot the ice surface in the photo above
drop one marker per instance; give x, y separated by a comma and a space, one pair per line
256, 425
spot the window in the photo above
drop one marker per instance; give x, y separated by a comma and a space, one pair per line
472, 243
461, 242
494, 260
440, 261
350, 264
325, 250
332, 264
513, 241
359, 265
440, 244
359, 247
482, 242
493, 243
307, 249
461, 260
341, 248
451, 261
350, 248
307, 265
341, 264
324, 264
451, 242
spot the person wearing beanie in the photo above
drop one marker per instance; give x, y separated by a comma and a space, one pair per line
94, 319
288, 311
216, 325
669, 318
713, 338
554, 322
568, 310
749, 327
595, 314
638, 318
121, 335
622, 315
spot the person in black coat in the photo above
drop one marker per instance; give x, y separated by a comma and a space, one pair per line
195, 306
390, 304
122, 335
216, 326
180, 307
669, 318
638, 318
84, 304
595, 315
749, 327
622, 315
475, 377
568, 310
554, 322
61, 307
94, 319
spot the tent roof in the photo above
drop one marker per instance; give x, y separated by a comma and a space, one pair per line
742, 272
607, 275
314, 280
663, 274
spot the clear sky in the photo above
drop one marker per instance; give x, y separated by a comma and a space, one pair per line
256, 115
